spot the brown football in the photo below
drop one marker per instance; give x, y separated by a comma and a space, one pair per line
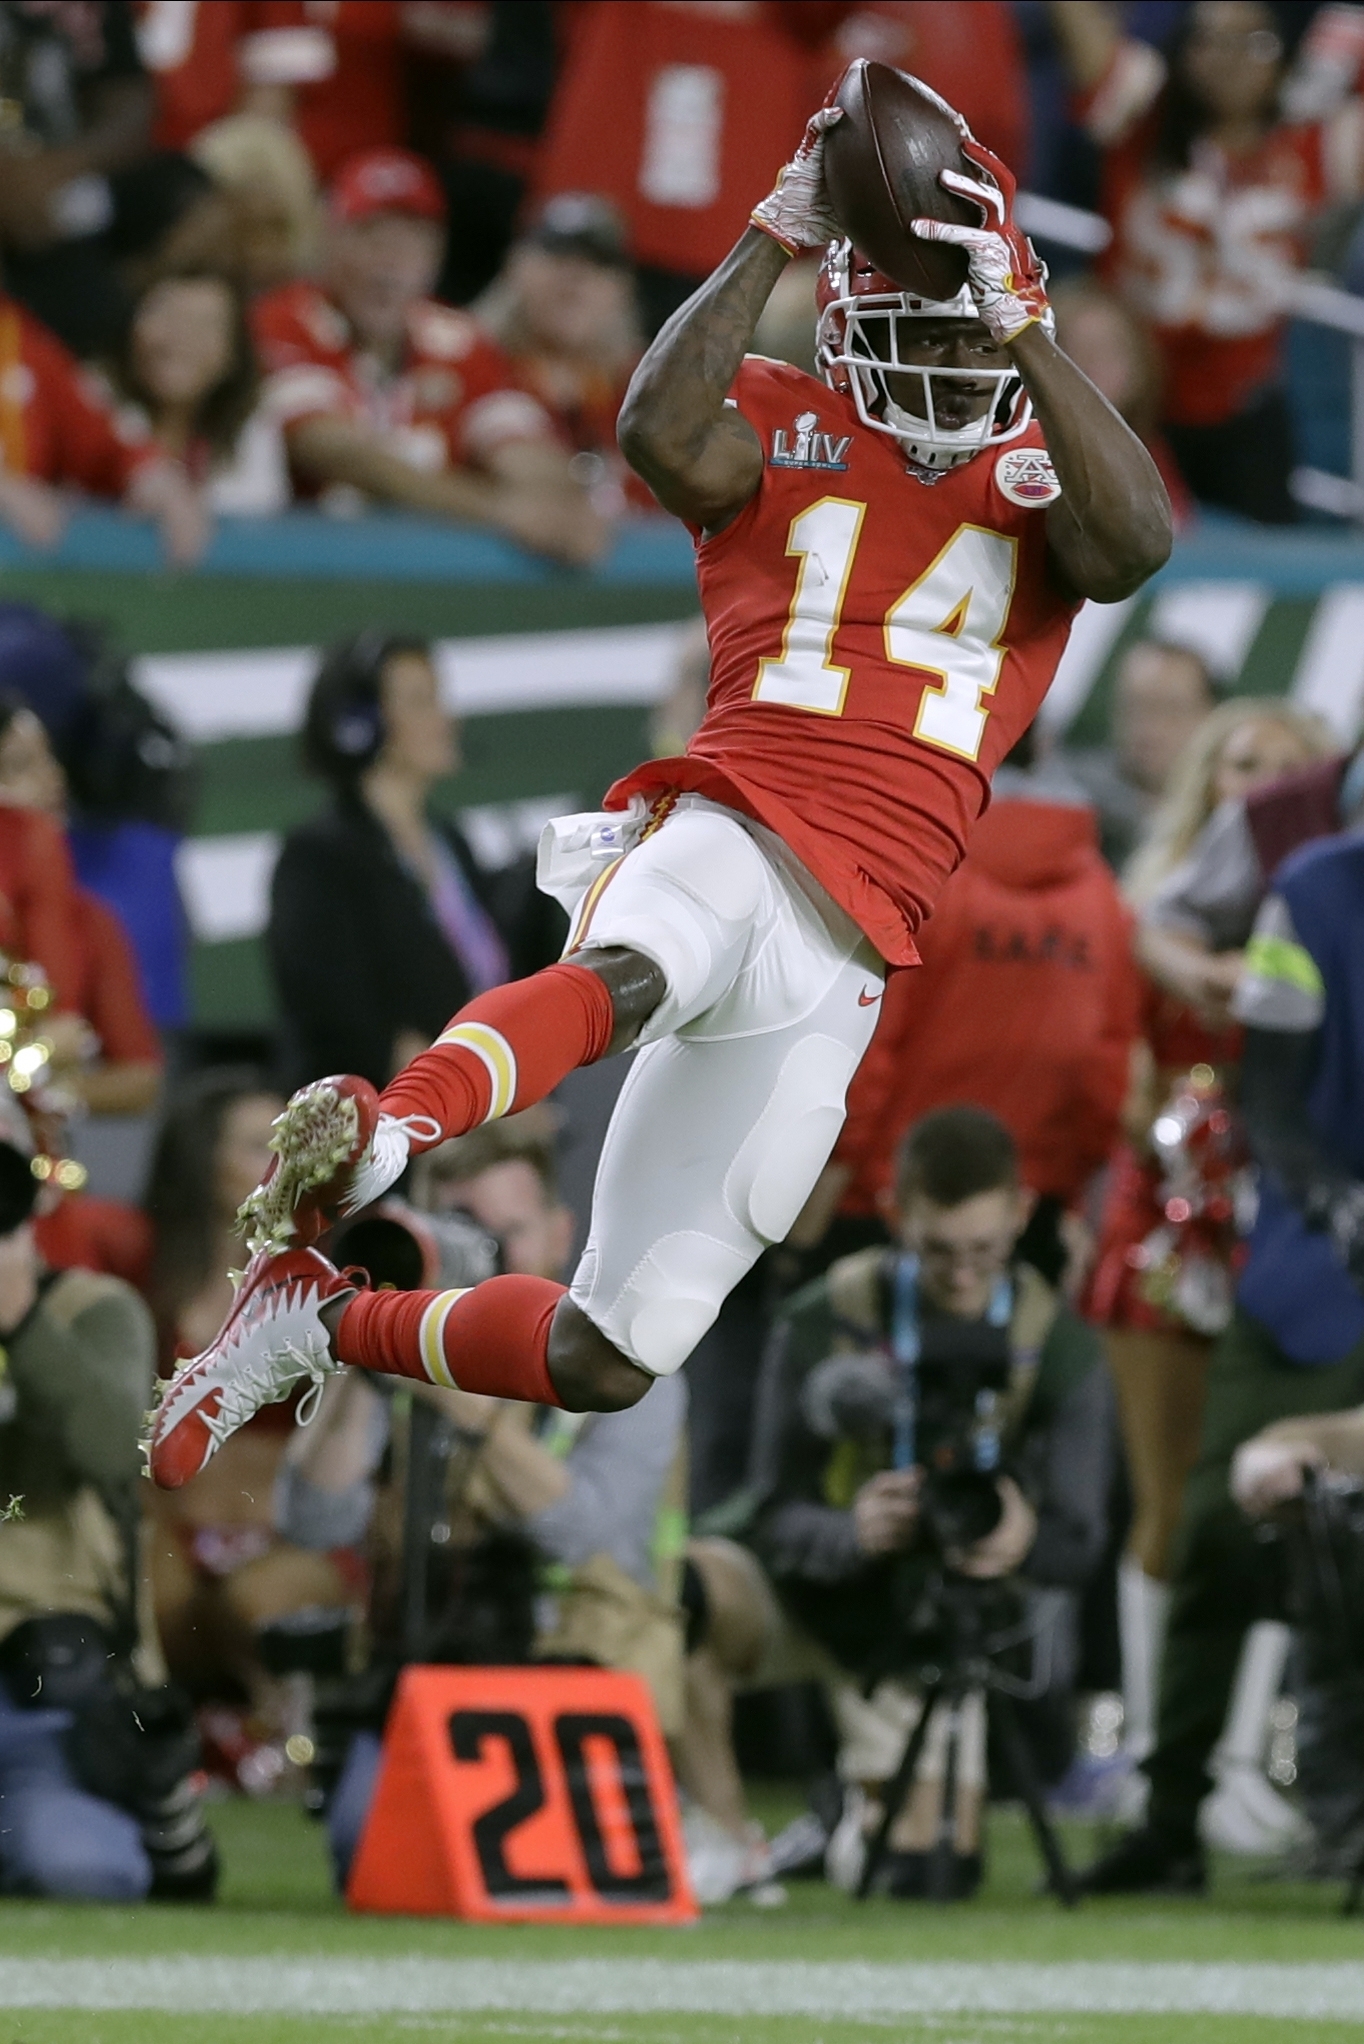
881, 165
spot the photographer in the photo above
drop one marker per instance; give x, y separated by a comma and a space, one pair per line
526, 1531
847, 1530
95, 1752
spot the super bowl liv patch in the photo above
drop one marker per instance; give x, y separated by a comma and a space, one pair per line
803, 447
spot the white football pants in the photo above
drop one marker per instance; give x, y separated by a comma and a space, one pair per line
736, 1096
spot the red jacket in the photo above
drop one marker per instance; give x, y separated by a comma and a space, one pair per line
1026, 1003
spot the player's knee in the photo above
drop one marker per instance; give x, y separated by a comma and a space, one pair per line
589, 1372
635, 983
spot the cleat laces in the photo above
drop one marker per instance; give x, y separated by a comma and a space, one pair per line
386, 1158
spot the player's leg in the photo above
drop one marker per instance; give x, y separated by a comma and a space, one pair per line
658, 937
339, 1144
714, 1148
510, 1337
686, 908
297, 1320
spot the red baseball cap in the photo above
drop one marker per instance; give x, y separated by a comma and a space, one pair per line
386, 181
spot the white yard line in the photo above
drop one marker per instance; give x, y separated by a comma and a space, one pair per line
870, 1992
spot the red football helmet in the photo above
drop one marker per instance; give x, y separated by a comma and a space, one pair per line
857, 340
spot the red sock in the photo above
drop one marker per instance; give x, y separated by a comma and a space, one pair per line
505, 1050
493, 1338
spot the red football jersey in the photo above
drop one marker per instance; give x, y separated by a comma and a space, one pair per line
878, 643
454, 401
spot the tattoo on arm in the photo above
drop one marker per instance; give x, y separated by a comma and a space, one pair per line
698, 455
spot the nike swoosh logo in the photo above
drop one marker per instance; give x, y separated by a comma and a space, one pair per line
866, 1000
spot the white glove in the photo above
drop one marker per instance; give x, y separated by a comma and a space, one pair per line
797, 212
1004, 274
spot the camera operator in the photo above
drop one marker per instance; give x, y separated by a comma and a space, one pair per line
1305, 1475
847, 1529
95, 1751
561, 1532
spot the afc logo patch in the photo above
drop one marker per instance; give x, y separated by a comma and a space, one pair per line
803, 447
1025, 476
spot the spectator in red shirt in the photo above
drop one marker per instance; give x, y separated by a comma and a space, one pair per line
120, 1068
1026, 1003
1210, 195
704, 98
383, 390
357, 103
676, 114
56, 430
563, 309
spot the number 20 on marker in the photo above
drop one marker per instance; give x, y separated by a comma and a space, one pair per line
531, 1794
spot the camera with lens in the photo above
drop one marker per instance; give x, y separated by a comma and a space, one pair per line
944, 1412
1323, 1539
960, 1380
405, 1250
128, 1744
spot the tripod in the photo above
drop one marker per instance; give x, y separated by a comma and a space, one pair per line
967, 1664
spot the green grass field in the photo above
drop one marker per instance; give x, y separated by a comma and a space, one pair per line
278, 1958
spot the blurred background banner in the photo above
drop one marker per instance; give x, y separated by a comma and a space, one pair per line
555, 672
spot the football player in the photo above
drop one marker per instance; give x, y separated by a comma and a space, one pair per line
889, 561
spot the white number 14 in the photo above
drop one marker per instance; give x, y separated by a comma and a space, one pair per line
949, 623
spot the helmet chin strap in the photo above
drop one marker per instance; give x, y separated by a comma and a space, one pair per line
924, 444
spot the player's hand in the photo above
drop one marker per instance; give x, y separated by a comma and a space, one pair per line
797, 212
34, 511
1004, 275
163, 492
886, 1511
1001, 1551
1266, 1474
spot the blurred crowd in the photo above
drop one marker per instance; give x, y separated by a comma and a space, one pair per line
1105, 1156
349, 252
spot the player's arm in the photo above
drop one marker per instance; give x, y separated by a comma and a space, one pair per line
699, 455
1110, 529
339, 450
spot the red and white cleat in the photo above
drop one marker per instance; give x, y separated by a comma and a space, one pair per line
272, 1341
322, 1139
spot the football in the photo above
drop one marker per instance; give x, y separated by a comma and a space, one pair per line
881, 165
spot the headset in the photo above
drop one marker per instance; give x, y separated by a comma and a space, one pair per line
343, 732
